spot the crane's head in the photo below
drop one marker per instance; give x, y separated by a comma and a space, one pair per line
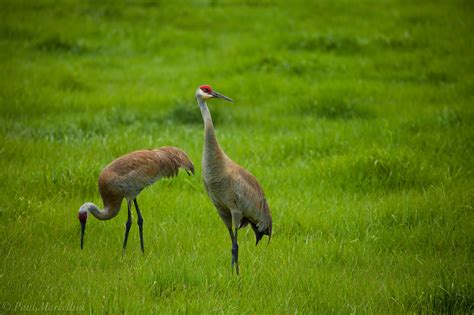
205, 92
82, 216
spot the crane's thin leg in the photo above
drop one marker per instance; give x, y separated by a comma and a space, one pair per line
236, 220
231, 234
128, 225
140, 224
235, 253
232, 218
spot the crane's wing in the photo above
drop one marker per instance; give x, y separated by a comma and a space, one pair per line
251, 198
136, 170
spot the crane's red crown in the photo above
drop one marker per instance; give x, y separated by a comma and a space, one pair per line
206, 88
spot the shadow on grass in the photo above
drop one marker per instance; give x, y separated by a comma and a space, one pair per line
329, 43
379, 171
55, 44
188, 113
72, 83
446, 298
80, 127
331, 107
287, 66
389, 171
349, 45
445, 119
15, 33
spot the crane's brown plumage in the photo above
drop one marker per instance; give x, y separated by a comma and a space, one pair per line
236, 194
128, 175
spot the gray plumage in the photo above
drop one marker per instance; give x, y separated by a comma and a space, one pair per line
236, 194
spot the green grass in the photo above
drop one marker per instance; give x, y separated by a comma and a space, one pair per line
356, 117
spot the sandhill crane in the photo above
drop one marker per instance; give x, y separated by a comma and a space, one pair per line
235, 193
125, 177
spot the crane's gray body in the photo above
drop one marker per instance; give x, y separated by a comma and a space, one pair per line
236, 194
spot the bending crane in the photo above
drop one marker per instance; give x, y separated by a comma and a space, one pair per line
126, 177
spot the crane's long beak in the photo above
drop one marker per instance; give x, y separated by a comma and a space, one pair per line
83, 228
218, 95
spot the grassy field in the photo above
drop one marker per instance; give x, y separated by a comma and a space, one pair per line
356, 117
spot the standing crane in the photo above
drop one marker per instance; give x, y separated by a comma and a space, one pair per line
235, 192
126, 177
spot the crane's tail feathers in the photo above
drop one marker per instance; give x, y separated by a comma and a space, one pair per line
258, 234
190, 169
173, 159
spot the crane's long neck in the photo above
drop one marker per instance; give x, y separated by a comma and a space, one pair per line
212, 154
106, 214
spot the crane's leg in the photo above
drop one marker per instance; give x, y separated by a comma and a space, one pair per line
235, 253
232, 218
232, 238
236, 219
128, 225
140, 224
